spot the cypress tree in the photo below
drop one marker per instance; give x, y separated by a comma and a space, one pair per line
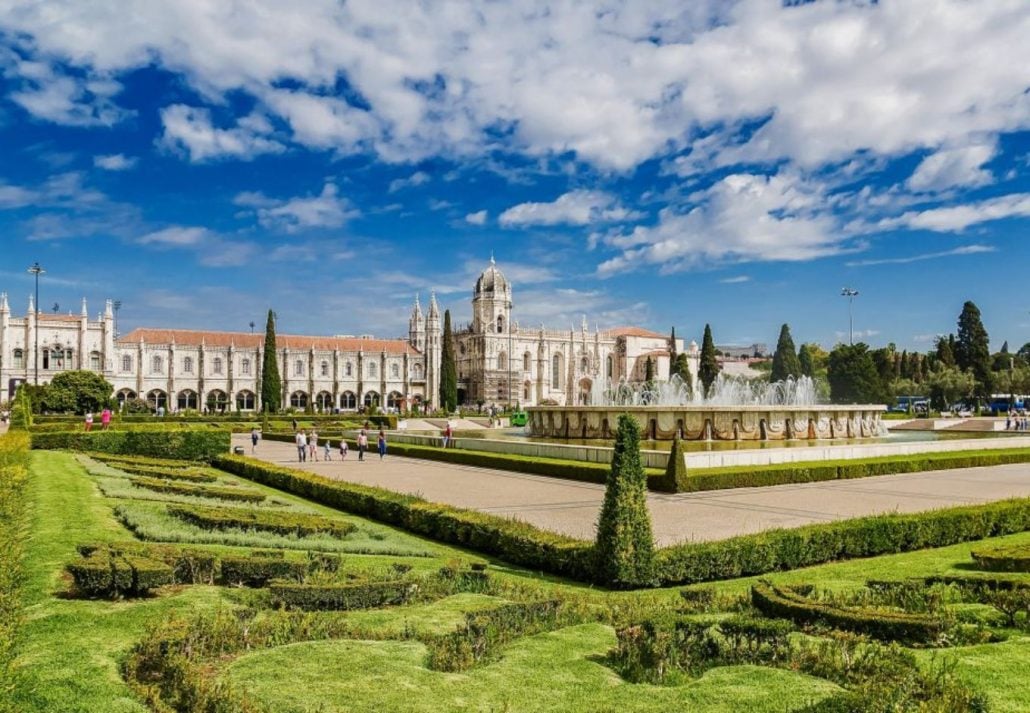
853, 376
945, 354
972, 352
805, 360
271, 382
448, 368
682, 369
709, 367
649, 371
675, 467
625, 545
785, 361
672, 352
21, 410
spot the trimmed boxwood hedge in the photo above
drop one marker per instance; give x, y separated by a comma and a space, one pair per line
258, 570
182, 445
14, 518
786, 603
981, 582
142, 461
1008, 558
110, 573
197, 491
280, 523
689, 563
342, 596
190, 475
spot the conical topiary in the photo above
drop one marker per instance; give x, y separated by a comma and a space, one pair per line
625, 545
675, 476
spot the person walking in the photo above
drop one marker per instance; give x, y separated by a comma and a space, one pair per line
381, 443
447, 435
302, 446
362, 444
343, 449
327, 450
105, 419
255, 436
313, 445
89, 421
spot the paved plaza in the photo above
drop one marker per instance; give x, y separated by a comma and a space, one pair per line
571, 508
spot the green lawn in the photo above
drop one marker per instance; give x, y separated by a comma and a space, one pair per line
72, 649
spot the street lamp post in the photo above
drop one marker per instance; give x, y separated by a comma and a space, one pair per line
36, 271
851, 295
117, 306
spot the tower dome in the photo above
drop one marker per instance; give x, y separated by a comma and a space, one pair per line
492, 280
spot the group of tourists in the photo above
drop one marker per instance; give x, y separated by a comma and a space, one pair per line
1017, 420
307, 445
105, 420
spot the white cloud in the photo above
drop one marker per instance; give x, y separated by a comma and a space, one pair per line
739, 279
326, 210
190, 128
418, 178
177, 235
48, 94
743, 217
963, 250
580, 207
957, 218
954, 167
114, 162
477, 218
15, 196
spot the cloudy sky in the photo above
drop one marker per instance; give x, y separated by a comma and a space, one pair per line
650, 162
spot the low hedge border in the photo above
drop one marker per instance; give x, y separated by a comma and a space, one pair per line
981, 582
280, 523
1009, 558
344, 596
182, 445
143, 462
258, 571
198, 491
110, 573
14, 517
785, 603
191, 475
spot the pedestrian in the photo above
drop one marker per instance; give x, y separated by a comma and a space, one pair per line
343, 449
255, 436
294, 424
381, 443
302, 446
362, 444
105, 419
313, 445
327, 450
448, 434
89, 421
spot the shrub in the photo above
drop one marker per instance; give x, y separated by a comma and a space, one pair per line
342, 596
886, 625
179, 444
191, 475
675, 475
624, 553
110, 573
199, 491
14, 460
1008, 558
976, 583
258, 570
280, 523
189, 566
165, 463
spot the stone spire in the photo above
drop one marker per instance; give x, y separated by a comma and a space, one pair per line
84, 312
32, 305
4, 307
434, 309
109, 309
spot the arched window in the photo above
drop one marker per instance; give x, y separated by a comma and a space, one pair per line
127, 363
187, 365
217, 401
371, 368
417, 371
157, 365
527, 361
216, 365
94, 361
371, 398
502, 361
298, 367
348, 400
395, 370
324, 368
245, 400
556, 371
348, 369
395, 401
125, 395
584, 364
19, 359
526, 391
187, 400
500, 323
157, 399
324, 402
610, 365
245, 367
299, 400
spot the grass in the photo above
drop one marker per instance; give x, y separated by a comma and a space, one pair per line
557, 671
1000, 670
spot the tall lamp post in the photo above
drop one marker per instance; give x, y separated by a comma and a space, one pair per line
36, 271
117, 305
851, 295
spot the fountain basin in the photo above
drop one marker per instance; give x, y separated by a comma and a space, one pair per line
720, 423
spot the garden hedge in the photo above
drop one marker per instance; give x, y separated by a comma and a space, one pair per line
182, 445
1008, 558
342, 596
257, 570
143, 462
786, 603
14, 462
274, 521
197, 491
981, 582
688, 563
110, 573
189, 565
190, 475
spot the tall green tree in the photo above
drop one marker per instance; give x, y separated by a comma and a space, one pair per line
973, 352
853, 376
448, 368
805, 362
945, 354
682, 369
271, 382
649, 371
625, 544
79, 391
672, 353
709, 367
785, 361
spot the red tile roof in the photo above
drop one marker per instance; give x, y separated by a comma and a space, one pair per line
192, 337
634, 332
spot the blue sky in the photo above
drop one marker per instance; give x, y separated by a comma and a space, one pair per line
654, 163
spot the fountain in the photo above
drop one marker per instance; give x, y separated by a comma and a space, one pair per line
735, 409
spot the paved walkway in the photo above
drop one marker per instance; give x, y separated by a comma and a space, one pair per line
571, 508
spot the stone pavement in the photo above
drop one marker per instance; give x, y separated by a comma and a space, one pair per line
572, 508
